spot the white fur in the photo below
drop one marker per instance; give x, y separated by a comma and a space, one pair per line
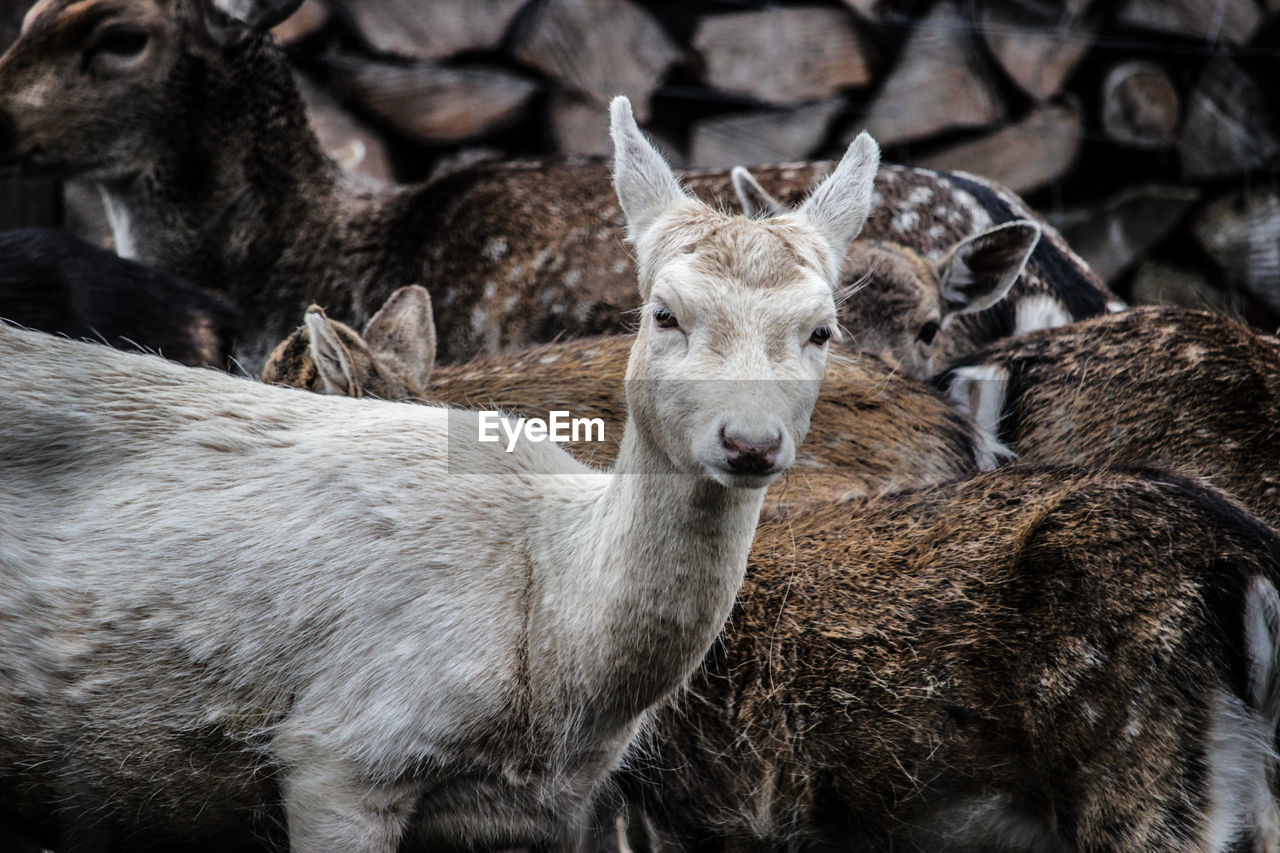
402, 620
1241, 761
121, 223
1039, 311
979, 392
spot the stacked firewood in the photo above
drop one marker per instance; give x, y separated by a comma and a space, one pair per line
1145, 129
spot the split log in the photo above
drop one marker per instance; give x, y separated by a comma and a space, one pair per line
1226, 130
1239, 233
433, 104
601, 48
578, 126
764, 136
1233, 21
1024, 156
1141, 106
358, 148
311, 18
881, 10
1114, 235
1036, 48
1159, 283
809, 52
432, 30
939, 83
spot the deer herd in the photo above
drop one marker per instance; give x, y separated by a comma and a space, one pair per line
903, 532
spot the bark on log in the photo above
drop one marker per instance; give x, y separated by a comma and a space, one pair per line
1037, 50
1141, 106
939, 83
311, 18
601, 48
1233, 21
432, 30
433, 104
1159, 283
810, 51
1024, 156
1226, 130
765, 136
358, 148
1116, 234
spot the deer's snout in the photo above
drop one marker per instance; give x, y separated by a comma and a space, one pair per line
750, 456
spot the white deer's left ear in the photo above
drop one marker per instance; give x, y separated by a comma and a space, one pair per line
978, 272
840, 204
645, 184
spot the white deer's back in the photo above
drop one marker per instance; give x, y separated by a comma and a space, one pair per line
342, 519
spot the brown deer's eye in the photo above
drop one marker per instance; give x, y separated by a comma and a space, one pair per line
928, 332
820, 335
664, 318
121, 41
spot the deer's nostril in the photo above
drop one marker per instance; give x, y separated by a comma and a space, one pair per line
750, 457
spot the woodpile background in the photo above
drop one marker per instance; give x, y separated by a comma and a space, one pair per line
1148, 130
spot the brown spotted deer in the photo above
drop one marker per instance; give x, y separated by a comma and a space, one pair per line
186, 116
1191, 391
933, 669
872, 429
1033, 659
906, 307
245, 617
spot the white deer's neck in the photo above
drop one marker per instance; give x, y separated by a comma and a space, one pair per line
665, 558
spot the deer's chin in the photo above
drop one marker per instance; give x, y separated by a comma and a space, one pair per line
738, 480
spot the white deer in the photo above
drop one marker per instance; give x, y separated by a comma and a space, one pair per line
218, 596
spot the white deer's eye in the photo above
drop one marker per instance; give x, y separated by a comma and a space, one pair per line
664, 318
820, 336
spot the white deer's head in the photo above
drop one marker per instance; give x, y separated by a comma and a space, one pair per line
737, 312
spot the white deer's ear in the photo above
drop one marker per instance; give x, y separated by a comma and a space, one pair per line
840, 204
241, 17
753, 198
645, 184
978, 271
333, 361
404, 331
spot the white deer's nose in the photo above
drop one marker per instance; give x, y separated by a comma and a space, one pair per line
750, 455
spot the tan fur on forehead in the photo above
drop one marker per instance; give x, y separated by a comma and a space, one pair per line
735, 245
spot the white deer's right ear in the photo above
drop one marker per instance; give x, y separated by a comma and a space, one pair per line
840, 205
645, 184
404, 330
333, 362
753, 198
